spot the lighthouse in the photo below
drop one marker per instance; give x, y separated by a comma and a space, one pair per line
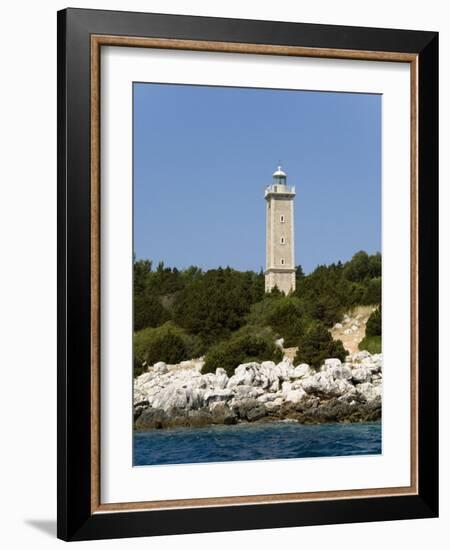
280, 262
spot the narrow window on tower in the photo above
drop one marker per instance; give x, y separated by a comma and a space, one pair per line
282, 241
282, 261
282, 218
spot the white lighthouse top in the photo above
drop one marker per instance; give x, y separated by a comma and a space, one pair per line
279, 172
279, 186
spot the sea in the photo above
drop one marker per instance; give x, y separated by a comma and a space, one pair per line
257, 441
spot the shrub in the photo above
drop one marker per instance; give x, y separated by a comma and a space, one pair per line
373, 326
317, 345
167, 343
243, 347
372, 344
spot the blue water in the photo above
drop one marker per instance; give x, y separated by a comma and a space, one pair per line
255, 442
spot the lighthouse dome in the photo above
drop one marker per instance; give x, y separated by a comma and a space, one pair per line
279, 173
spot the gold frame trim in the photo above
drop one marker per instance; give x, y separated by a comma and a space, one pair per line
97, 41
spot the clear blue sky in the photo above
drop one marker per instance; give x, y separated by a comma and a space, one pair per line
203, 156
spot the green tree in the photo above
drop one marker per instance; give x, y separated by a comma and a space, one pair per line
358, 268
372, 293
166, 343
242, 347
373, 326
216, 304
148, 311
287, 318
317, 345
141, 272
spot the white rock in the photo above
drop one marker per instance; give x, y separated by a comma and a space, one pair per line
295, 396
284, 370
349, 396
329, 363
221, 378
361, 375
341, 372
323, 383
277, 402
296, 384
267, 397
303, 370
160, 367
173, 396
243, 374
245, 392
279, 343
275, 386
359, 356
215, 396
338, 326
143, 378
369, 391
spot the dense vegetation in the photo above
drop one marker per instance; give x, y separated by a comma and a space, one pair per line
243, 346
316, 345
372, 339
225, 314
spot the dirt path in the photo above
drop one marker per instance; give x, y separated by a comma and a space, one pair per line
352, 329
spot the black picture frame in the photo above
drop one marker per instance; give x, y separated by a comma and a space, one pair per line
75, 518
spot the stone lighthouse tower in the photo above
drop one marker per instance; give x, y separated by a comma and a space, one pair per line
280, 263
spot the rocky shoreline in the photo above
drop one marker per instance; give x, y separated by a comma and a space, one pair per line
181, 396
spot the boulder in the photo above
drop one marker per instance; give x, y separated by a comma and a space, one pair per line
272, 406
215, 396
295, 396
197, 418
341, 372
359, 356
250, 409
222, 414
330, 363
244, 392
175, 396
243, 375
302, 371
275, 386
284, 370
361, 375
160, 367
267, 397
323, 383
151, 419
221, 378
369, 392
